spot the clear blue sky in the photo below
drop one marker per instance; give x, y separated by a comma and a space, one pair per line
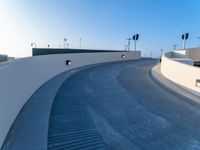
102, 24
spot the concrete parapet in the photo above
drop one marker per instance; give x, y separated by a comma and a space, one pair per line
21, 78
177, 67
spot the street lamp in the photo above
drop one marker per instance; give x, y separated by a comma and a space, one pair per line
175, 45
65, 40
198, 39
80, 42
161, 52
151, 54
126, 46
129, 43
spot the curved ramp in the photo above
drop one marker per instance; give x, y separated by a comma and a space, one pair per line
119, 106
113, 106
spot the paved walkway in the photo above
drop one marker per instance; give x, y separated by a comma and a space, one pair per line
124, 107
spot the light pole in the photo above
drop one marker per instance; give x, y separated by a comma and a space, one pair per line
129, 43
175, 46
33, 44
126, 47
198, 39
80, 42
65, 40
161, 52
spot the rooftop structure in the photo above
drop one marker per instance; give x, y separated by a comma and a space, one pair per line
104, 100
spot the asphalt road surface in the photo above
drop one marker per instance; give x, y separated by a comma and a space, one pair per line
125, 109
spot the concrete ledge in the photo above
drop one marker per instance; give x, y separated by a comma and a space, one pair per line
192, 95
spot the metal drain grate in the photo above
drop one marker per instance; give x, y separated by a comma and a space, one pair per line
70, 125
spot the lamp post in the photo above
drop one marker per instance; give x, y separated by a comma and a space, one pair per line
151, 55
161, 52
175, 46
65, 41
125, 47
198, 39
80, 42
129, 43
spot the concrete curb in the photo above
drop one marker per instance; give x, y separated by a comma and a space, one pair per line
173, 87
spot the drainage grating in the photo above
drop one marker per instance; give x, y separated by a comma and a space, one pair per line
71, 126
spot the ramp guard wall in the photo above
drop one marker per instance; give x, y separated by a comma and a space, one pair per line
21, 78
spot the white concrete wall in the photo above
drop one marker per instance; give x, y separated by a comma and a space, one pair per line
180, 73
21, 78
193, 53
179, 54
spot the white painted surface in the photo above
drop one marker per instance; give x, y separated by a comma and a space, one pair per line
180, 73
194, 54
184, 60
21, 78
179, 54
182, 52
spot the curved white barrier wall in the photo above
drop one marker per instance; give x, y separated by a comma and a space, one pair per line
21, 78
194, 54
180, 73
